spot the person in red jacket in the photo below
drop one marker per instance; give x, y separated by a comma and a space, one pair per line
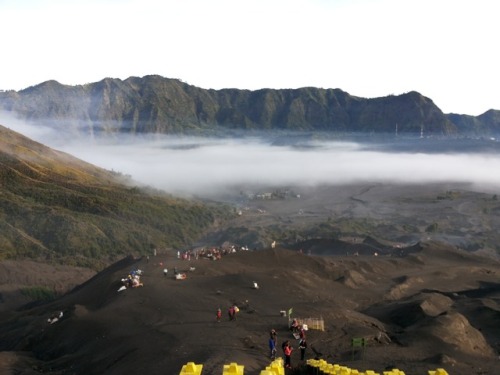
218, 314
287, 349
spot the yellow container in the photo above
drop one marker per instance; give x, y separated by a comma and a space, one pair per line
276, 369
191, 368
233, 369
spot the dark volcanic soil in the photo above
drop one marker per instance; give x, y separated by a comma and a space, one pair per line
420, 304
431, 307
456, 214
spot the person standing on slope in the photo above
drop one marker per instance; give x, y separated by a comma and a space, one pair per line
274, 335
288, 354
218, 315
236, 310
272, 348
302, 347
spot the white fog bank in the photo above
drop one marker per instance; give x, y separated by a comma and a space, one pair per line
204, 167
200, 166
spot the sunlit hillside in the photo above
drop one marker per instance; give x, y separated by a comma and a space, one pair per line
57, 208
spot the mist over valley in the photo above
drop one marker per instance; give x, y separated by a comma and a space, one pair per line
214, 166
208, 167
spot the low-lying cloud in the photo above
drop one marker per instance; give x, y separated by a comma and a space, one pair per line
204, 167
198, 166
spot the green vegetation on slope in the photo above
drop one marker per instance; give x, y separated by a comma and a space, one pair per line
59, 209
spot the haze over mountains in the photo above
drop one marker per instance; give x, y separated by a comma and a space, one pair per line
153, 104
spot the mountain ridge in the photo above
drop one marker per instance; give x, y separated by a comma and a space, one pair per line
154, 104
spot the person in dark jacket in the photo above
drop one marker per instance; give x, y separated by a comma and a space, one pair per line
302, 347
274, 335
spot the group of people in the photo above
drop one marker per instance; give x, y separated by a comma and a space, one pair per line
133, 280
213, 253
231, 312
298, 329
286, 347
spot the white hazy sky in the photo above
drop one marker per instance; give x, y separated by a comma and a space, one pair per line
445, 49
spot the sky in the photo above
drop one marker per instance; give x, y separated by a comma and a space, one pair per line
447, 50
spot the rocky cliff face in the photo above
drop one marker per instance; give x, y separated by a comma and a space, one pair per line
153, 104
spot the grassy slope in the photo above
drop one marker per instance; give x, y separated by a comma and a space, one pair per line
58, 208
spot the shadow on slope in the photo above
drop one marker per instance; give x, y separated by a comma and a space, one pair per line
168, 322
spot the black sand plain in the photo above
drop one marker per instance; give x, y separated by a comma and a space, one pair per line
421, 305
